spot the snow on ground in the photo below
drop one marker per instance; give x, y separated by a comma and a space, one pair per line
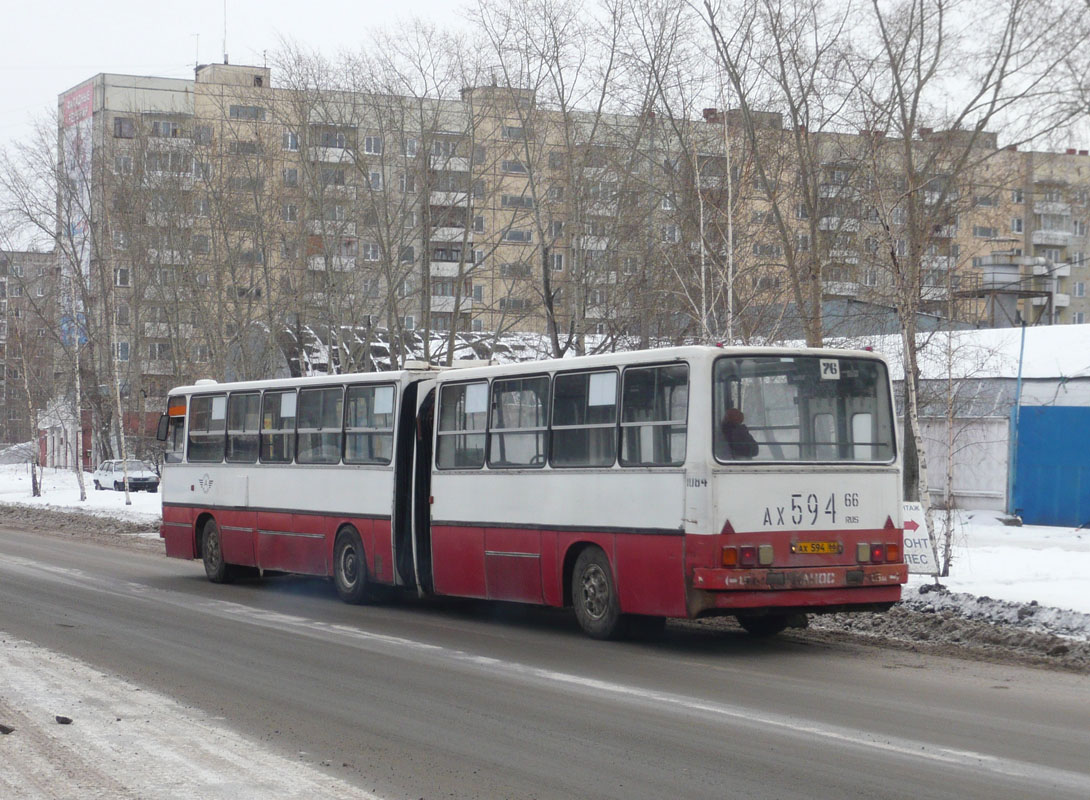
60, 491
73, 731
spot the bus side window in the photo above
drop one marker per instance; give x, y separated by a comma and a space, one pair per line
369, 425
584, 422
463, 419
207, 426
243, 416
654, 404
278, 427
519, 422
319, 431
175, 438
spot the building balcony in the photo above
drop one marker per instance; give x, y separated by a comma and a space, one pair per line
449, 269
945, 231
167, 220
449, 234
158, 366
459, 199
1055, 270
1052, 207
844, 256
1059, 300
936, 262
445, 304
840, 288
331, 155
832, 191
334, 263
932, 292
450, 163
593, 242
323, 227
164, 330
1051, 238
845, 224
166, 256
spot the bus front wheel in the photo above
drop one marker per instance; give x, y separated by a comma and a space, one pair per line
350, 567
217, 570
594, 595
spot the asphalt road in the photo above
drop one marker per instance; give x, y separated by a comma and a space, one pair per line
416, 699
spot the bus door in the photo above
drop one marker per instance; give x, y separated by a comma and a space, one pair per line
402, 523
425, 424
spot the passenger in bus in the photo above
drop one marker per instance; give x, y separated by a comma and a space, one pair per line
736, 441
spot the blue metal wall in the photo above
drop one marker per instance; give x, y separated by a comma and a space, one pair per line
1052, 466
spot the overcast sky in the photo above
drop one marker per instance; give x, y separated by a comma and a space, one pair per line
48, 46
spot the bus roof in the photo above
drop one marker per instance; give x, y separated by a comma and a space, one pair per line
465, 371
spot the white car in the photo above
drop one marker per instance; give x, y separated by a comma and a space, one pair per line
111, 475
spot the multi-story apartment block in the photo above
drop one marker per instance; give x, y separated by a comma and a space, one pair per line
29, 333
228, 227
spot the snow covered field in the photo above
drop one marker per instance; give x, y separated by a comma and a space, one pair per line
1033, 563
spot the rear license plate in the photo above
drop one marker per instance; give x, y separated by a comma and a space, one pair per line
818, 548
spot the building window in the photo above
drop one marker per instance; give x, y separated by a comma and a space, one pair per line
370, 251
121, 276
557, 260
1017, 196
520, 236
124, 128
202, 134
291, 141
374, 181
1016, 225
202, 244
516, 201
668, 203
556, 159
123, 165
513, 132
372, 145
289, 212
247, 112
1078, 318
556, 228
121, 351
671, 234
406, 183
409, 147
408, 322
159, 351
478, 224
335, 139
291, 176
985, 232
166, 129
514, 166
1079, 289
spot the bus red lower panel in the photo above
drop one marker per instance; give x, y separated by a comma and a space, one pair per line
177, 532
237, 536
512, 564
457, 557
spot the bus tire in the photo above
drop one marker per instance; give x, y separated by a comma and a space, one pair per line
764, 626
350, 567
217, 570
594, 596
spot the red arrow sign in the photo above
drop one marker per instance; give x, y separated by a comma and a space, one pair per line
912, 525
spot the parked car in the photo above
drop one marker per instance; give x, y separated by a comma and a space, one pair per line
111, 475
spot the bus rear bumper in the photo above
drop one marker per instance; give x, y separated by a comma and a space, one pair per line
813, 589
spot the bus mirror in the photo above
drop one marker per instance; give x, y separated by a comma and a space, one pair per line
161, 432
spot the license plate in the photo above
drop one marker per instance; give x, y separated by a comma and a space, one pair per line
818, 548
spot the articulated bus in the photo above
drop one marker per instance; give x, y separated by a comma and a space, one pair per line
682, 482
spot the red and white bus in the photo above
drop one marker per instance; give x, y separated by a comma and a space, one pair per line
682, 482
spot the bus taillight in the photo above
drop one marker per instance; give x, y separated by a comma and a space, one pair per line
877, 553
749, 556
730, 556
893, 553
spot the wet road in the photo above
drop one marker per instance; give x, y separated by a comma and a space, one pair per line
428, 699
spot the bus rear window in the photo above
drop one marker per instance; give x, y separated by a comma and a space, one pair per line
808, 409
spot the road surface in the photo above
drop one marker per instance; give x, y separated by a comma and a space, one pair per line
415, 699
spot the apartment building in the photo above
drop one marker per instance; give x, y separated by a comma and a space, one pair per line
229, 221
30, 329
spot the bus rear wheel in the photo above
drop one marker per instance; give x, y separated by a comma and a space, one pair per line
217, 570
350, 567
594, 595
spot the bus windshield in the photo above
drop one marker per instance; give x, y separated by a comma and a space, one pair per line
801, 409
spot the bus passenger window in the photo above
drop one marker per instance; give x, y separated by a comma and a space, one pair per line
463, 418
369, 425
207, 421
654, 404
519, 422
243, 416
319, 440
584, 425
278, 427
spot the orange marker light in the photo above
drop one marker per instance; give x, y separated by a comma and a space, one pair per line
730, 556
893, 552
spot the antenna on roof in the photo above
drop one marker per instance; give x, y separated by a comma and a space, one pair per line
196, 49
225, 31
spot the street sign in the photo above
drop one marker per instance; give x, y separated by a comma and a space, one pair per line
918, 553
